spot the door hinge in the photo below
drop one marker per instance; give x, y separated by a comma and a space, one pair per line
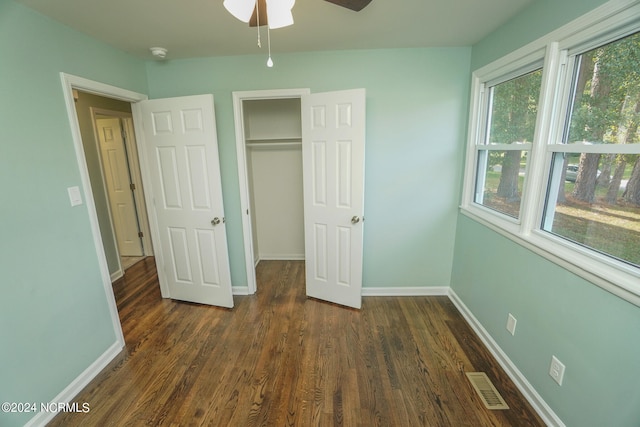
132, 186
140, 234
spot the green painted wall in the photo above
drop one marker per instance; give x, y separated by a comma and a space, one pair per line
53, 309
416, 109
594, 333
540, 18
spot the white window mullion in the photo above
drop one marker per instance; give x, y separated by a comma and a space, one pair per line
536, 178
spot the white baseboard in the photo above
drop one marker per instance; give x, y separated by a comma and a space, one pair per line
281, 257
116, 275
76, 386
539, 405
240, 290
408, 291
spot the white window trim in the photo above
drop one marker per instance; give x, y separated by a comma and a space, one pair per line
612, 20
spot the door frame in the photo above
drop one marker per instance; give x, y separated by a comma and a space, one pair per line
133, 164
69, 84
243, 178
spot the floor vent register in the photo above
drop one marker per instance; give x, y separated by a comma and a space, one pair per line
487, 392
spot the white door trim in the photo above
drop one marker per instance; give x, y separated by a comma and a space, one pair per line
243, 178
69, 83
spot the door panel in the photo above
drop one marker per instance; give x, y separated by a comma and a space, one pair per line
333, 126
117, 180
180, 145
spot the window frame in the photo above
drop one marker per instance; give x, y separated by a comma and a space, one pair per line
557, 52
532, 63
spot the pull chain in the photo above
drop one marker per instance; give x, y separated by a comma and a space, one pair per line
269, 61
258, 19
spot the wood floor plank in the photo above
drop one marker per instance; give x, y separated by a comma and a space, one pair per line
281, 359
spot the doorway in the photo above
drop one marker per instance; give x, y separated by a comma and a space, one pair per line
72, 86
269, 152
108, 141
330, 128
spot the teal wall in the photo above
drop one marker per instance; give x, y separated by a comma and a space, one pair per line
594, 333
416, 115
53, 310
540, 18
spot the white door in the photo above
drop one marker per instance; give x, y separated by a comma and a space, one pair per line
118, 183
333, 133
180, 151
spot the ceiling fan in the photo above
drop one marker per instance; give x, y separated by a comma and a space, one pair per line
276, 13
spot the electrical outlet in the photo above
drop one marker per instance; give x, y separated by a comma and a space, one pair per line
511, 324
556, 370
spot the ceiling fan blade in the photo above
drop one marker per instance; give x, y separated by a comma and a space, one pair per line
262, 7
356, 5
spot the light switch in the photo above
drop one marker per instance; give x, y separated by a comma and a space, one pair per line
74, 196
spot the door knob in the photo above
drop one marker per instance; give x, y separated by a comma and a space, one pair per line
215, 221
355, 219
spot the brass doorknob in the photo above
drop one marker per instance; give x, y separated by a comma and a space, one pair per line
215, 221
355, 219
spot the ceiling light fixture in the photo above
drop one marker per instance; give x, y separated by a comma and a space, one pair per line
272, 13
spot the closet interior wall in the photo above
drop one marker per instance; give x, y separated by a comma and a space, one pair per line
273, 138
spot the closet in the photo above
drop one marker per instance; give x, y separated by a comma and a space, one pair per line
273, 144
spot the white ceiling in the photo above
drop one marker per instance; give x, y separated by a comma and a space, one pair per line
199, 28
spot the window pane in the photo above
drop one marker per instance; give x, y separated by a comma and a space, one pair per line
606, 94
587, 203
513, 109
500, 180
511, 119
594, 198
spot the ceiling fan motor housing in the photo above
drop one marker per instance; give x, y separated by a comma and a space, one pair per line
356, 5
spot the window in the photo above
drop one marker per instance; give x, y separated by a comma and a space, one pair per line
512, 107
594, 192
553, 160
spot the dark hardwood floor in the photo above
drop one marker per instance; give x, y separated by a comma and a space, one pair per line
280, 359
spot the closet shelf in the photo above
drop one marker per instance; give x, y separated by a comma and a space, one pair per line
274, 143
273, 139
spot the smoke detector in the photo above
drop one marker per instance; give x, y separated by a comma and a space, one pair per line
159, 52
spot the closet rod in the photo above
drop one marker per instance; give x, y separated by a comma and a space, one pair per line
273, 144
